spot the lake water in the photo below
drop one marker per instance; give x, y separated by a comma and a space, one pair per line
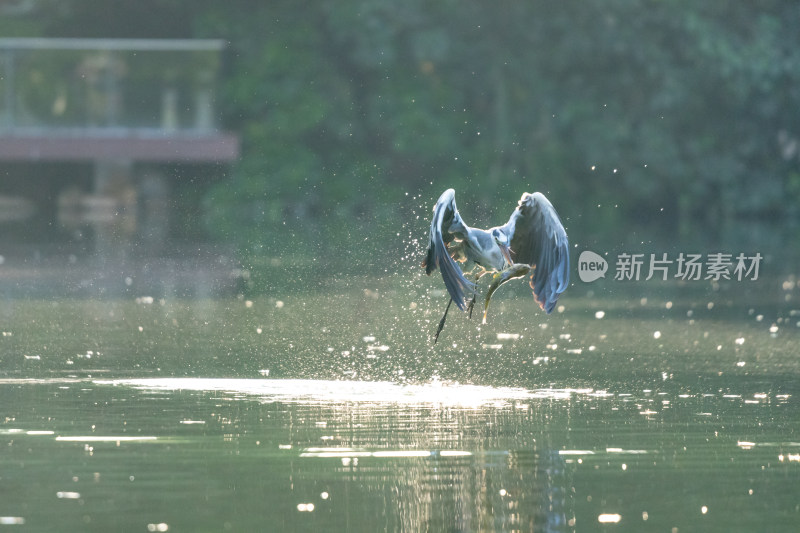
632, 408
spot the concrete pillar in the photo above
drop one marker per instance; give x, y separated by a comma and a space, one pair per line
113, 237
153, 212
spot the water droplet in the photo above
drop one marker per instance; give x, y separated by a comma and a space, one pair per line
609, 518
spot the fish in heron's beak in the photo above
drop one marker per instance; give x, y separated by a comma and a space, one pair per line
506, 251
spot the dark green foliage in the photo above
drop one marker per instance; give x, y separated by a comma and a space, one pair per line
677, 119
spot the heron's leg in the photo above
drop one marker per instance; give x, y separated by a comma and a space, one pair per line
516, 270
441, 322
478, 276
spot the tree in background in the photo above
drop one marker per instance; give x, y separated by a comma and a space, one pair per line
675, 118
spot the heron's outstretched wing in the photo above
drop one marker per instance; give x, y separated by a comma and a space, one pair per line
446, 226
537, 238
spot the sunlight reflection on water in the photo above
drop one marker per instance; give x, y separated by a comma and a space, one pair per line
393, 456
324, 391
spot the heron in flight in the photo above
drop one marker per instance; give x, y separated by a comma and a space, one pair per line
533, 242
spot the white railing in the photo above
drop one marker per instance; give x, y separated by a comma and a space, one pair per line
113, 84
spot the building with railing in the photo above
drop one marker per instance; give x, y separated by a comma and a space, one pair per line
128, 110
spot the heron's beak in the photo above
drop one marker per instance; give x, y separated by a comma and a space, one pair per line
506, 251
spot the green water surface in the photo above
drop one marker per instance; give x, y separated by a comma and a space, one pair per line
332, 411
